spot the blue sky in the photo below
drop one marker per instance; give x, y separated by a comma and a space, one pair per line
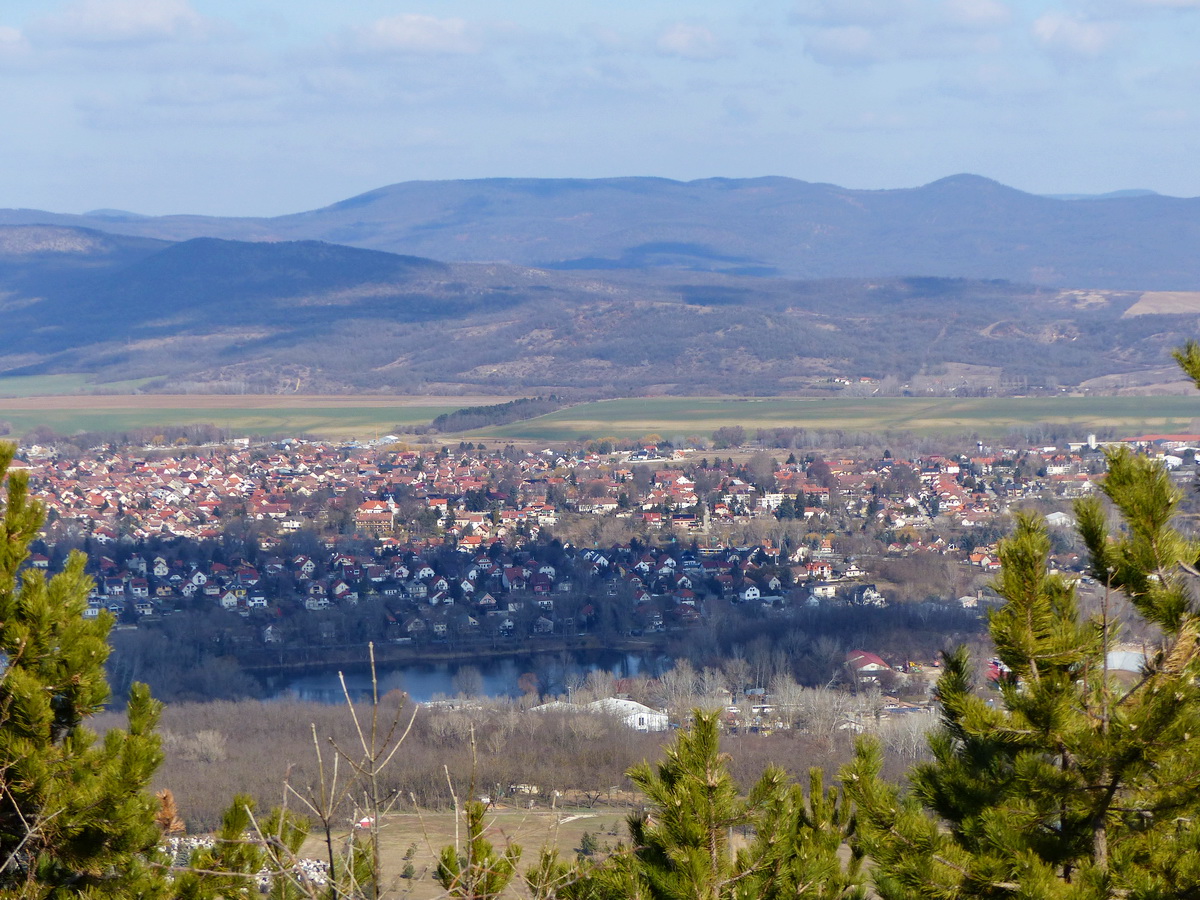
260, 107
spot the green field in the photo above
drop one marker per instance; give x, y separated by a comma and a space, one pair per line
342, 421
682, 417
673, 418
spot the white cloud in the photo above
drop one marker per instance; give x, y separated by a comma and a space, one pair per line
14, 48
10, 38
606, 38
870, 120
851, 12
1136, 11
977, 14
211, 90
691, 42
1169, 118
848, 45
1001, 82
125, 22
417, 33
1068, 36
863, 32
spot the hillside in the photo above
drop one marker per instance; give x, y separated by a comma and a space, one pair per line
959, 227
229, 315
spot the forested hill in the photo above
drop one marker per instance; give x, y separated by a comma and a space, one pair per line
211, 314
964, 226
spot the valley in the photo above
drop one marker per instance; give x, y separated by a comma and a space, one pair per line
685, 421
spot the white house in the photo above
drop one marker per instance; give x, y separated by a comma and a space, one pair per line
633, 714
1060, 520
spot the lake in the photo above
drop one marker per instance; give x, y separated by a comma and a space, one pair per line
493, 677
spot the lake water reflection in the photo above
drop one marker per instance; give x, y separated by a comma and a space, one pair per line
493, 677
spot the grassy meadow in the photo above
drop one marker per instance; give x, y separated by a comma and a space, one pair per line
675, 417
341, 421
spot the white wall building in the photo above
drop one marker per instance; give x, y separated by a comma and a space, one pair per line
635, 715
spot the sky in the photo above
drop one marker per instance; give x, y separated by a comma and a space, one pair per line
263, 107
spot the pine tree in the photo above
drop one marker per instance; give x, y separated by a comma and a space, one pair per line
249, 858
796, 851
477, 871
588, 845
75, 816
1076, 786
681, 843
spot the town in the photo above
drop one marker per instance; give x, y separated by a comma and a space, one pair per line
311, 548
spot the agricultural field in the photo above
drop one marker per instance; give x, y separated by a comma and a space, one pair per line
1153, 303
334, 417
673, 417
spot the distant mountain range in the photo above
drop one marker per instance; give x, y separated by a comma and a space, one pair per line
208, 314
964, 226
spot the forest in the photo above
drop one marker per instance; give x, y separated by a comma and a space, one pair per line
472, 417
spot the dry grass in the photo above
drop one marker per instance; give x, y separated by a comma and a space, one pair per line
418, 837
216, 750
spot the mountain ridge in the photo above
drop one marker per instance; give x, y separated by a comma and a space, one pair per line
960, 226
212, 314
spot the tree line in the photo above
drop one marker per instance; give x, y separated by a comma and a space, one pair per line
471, 417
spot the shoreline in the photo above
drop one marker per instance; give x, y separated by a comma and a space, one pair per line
355, 658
